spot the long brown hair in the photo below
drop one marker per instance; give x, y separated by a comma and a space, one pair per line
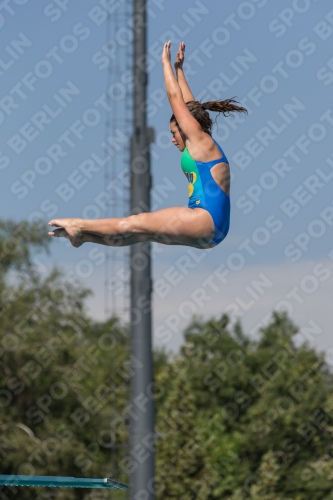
199, 111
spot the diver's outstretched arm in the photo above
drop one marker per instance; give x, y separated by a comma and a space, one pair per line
172, 86
186, 122
180, 57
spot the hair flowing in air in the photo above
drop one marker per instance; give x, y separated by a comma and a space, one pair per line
199, 111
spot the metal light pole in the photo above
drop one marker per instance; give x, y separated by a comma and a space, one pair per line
142, 404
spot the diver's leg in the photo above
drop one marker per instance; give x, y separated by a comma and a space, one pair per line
173, 226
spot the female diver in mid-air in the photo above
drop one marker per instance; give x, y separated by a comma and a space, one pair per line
205, 222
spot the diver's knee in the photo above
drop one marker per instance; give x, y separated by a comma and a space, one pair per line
126, 226
137, 224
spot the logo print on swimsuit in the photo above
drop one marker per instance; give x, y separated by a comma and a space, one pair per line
191, 177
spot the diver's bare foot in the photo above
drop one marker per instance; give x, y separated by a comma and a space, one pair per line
71, 226
76, 241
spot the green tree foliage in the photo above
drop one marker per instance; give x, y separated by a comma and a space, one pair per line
64, 379
259, 424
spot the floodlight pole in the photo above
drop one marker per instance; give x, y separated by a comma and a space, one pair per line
142, 404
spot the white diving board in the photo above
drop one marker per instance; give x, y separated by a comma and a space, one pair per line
60, 482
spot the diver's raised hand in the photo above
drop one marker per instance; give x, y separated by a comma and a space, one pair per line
166, 54
180, 56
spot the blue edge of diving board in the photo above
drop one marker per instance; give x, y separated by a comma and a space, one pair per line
60, 482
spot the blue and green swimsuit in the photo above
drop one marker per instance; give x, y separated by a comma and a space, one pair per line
205, 193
